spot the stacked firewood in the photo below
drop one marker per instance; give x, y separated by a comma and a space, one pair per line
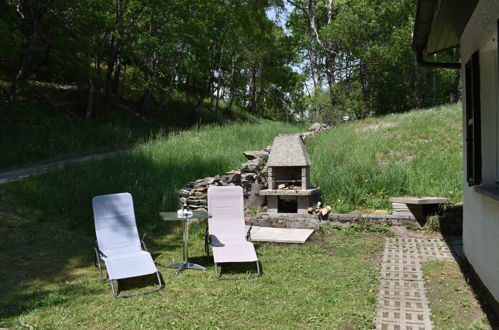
320, 211
284, 186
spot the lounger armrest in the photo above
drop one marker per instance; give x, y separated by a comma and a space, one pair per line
248, 234
207, 242
144, 247
207, 237
98, 251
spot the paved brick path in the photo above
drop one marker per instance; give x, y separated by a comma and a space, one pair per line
402, 295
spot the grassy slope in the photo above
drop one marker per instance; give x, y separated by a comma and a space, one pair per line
38, 131
153, 173
418, 153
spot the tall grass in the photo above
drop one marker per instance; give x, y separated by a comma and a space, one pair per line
362, 164
153, 172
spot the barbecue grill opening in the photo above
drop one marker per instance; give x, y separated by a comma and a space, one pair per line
289, 176
287, 205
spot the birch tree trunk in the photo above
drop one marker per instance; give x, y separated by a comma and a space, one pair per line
252, 104
114, 48
330, 54
313, 38
32, 15
232, 89
168, 92
219, 78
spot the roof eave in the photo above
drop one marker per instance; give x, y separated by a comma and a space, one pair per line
438, 26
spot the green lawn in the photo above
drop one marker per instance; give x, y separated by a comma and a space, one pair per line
47, 232
329, 282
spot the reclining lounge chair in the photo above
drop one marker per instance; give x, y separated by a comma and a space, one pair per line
226, 229
118, 243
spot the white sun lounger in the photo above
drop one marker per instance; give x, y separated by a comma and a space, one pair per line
118, 243
226, 229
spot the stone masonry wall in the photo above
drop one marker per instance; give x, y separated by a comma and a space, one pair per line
253, 171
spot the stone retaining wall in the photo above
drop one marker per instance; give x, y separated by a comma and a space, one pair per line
290, 220
254, 172
251, 172
450, 220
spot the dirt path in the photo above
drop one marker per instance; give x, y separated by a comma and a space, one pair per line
13, 175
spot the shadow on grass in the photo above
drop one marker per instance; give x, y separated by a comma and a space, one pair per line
137, 284
34, 298
450, 224
204, 261
48, 231
238, 270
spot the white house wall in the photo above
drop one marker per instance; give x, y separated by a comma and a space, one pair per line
481, 213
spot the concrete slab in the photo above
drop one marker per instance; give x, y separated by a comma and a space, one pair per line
279, 235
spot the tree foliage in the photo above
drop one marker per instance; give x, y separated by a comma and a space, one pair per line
352, 56
147, 51
364, 53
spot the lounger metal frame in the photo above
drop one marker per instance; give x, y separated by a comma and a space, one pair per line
207, 243
218, 275
98, 263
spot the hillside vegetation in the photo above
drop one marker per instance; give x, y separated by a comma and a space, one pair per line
357, 165
362, 164
46, 128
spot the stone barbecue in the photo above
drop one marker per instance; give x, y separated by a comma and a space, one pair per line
288, 179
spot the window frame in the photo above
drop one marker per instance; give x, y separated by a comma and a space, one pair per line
497, 101
473, 124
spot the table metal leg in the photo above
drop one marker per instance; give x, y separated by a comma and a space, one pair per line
185, 264
185, 239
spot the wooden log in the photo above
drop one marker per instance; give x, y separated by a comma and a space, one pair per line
324, 211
